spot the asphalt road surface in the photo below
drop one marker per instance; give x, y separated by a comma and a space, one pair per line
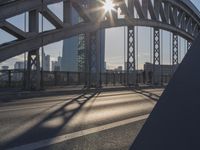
91, 121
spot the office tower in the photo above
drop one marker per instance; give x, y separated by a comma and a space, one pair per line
46, 62
73, 58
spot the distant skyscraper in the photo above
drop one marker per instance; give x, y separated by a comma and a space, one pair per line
56, 65
59, 61
4, 68
70, 51
46, 62
19, 65
73, 54
118, 69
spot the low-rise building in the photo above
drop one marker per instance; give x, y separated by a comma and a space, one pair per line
160, 73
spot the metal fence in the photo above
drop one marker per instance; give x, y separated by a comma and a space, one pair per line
16, 78
11, 78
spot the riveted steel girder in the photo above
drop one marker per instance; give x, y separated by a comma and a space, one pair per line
175, 49
156, 57
131, 57
33, 67
178, 17
189, 44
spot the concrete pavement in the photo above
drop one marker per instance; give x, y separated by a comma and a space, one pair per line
7, 95
91, 120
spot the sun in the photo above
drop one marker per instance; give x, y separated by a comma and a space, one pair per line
108, 5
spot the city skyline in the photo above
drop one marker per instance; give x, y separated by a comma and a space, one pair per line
114, 34
147, 99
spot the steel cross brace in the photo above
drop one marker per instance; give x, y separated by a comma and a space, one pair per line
156, 57
131, 57
33, 75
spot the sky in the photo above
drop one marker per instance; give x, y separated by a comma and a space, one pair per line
115, 42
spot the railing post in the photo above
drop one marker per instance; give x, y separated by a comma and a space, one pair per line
55, 78
106, 78
124, 74
120, 76
79, 78
24, 79
9, 78
113, 78
67, 78
42, 79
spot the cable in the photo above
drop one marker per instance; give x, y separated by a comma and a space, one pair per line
170, 50
25, 30
137, 53
100, 58
151, 56
180, 48
124, 46
151, 45
25, 63
42, 24
124, 53
161, 56
185, 47
42, 65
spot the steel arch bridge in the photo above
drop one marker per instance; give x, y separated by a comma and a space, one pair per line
180, 17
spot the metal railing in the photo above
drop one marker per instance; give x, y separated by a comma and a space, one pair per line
17, 78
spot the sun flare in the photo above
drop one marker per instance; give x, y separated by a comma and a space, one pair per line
108, 5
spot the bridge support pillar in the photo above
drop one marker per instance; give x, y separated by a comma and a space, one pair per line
33, 76
93, 59
156, 58
131, 59
175, 52
189, 44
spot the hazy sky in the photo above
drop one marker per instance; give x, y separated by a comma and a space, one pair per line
114, 42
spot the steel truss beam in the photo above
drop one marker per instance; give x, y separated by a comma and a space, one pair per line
156, 57
21, 6
170, 15
33, 66
131, 59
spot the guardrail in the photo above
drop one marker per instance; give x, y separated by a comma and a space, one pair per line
17, 78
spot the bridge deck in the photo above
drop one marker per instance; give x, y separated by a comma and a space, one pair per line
76, 121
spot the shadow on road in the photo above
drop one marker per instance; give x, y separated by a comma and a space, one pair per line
40, 131
148, 94
8, 96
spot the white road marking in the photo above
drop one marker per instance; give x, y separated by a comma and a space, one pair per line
34, 107
62, 138
20, 130
4, 109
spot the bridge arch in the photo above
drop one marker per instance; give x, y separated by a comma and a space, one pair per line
177, 16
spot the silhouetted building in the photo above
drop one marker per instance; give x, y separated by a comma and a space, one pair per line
19, 65
118, 69
73, 58
160, 73
4, 68
46, 62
